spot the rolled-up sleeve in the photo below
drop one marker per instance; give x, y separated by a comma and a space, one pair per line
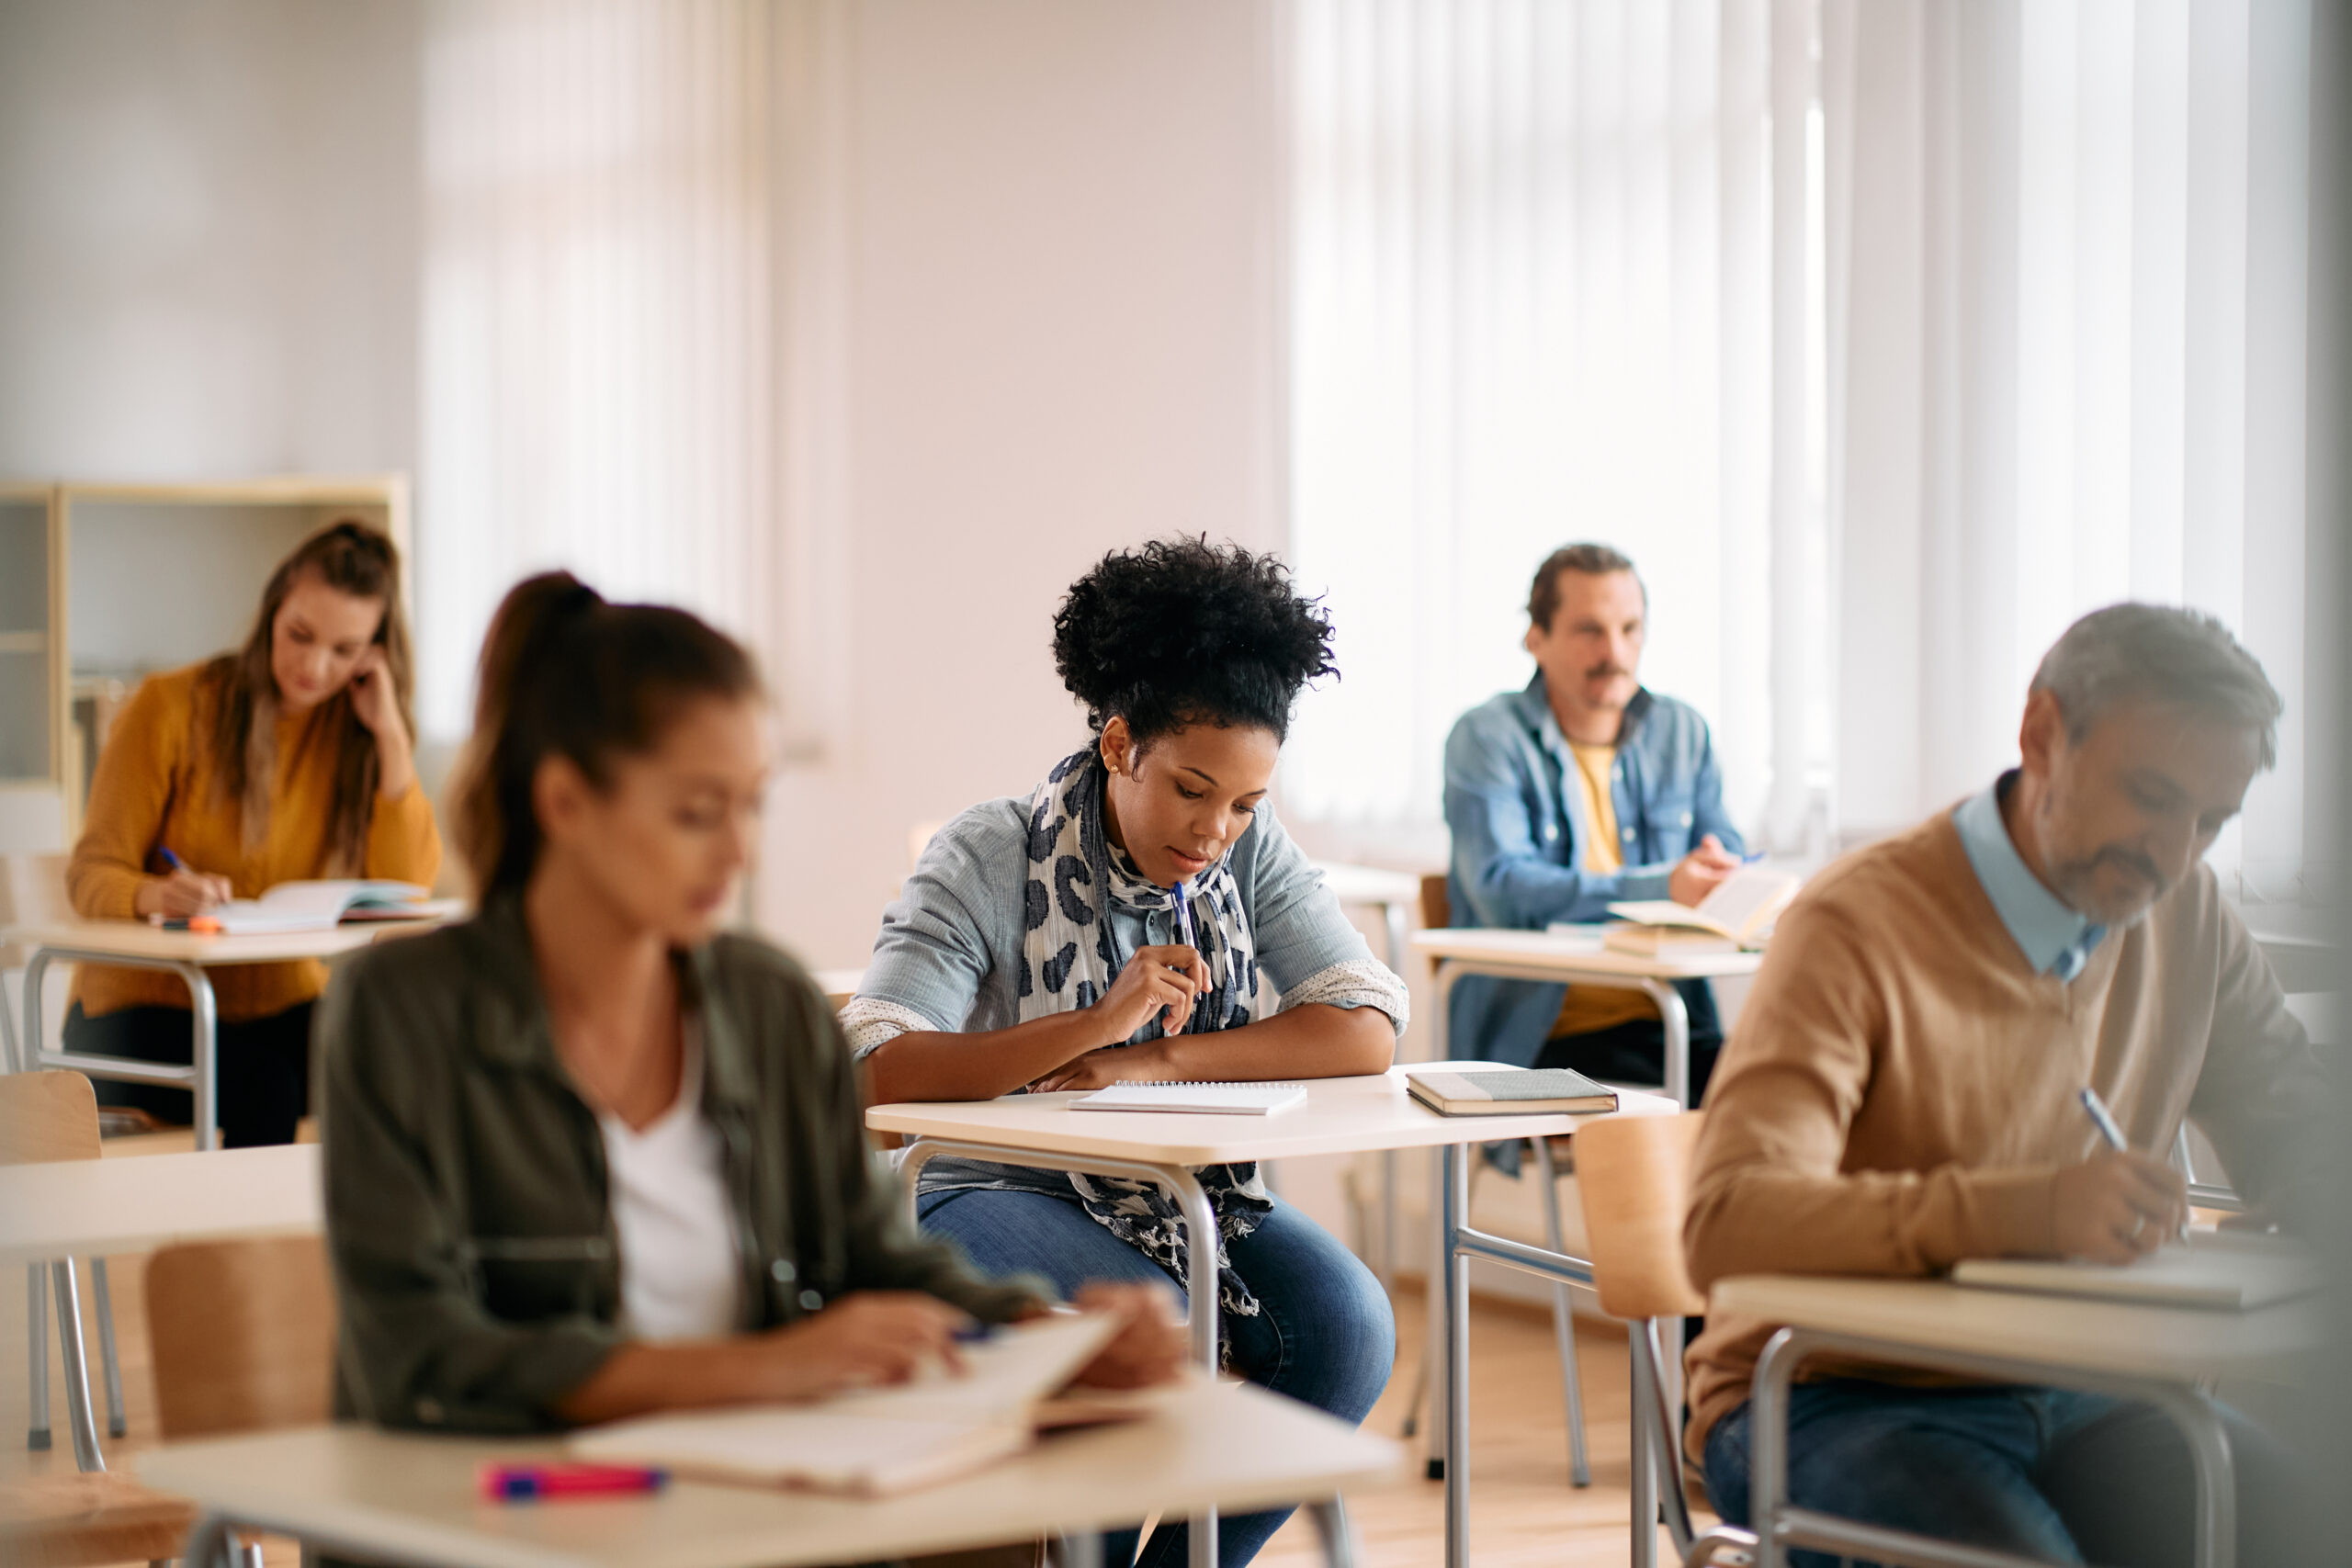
939, 938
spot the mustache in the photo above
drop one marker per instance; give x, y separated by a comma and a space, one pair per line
1597, 670
2132, 861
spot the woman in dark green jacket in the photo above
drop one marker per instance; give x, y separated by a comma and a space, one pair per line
586, 1156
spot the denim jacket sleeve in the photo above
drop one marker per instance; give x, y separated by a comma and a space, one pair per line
1501, 865
1708, 815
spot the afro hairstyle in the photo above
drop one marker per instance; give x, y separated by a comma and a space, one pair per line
1181, 631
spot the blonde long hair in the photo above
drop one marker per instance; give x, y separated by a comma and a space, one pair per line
351, 557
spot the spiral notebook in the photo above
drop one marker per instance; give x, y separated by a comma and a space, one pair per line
1212, 1099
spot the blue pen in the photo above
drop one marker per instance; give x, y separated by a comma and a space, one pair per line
170, 858
1751, 860
1183, 915
2104, 1120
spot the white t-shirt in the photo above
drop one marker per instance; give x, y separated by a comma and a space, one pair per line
680, 1275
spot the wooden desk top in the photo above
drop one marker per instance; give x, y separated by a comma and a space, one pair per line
94, 1208
1572, 956
411, 1499
2106, 1337
1340, 1116
136, 939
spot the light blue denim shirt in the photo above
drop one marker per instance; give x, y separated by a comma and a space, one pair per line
1517, 814
2054, 938
949, 953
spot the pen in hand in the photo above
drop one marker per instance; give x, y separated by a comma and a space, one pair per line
2104, 1120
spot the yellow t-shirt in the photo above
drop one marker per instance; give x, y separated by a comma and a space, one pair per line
1588, 1008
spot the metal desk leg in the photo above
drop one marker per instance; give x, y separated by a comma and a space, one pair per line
1677, 1020
1331, 1524
1646, 1478
87, 1455
1767, 1436
37, 1337
1393, 914
1455, 1161
109, 1361
1433, 1377
2208, 1448
1200, 1228
1564, 1320
204, 1053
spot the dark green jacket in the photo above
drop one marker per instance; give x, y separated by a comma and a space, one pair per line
476, 1265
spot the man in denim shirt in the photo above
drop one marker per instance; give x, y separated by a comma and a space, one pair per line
1581, 790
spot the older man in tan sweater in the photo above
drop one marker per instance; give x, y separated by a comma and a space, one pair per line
1901, 1093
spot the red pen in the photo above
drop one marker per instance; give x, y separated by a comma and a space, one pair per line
529, 1483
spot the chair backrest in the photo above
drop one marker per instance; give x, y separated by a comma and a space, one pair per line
244, 1335
46, 1116
1633, 1173
1437, 909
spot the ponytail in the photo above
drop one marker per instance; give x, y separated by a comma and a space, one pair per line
566, 674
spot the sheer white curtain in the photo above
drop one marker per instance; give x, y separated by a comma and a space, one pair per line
2071, 352
613, 266
1886, 335
1530, 305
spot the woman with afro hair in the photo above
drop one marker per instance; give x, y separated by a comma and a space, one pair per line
1111, 925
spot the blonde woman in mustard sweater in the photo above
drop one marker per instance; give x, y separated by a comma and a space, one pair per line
285, 759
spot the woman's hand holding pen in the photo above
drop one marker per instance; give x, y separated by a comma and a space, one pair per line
181, 892
1157, 981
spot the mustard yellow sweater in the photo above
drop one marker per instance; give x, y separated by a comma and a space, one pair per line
155, 789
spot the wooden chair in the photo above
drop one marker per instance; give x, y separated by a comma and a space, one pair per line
244, 1335
1633, 1173
91, 1516
1437, 909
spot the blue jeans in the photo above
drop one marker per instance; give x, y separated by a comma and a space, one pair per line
1324, 1336
2043, 1472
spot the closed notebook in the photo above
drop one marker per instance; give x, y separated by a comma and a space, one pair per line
875, 1441
1510, 1091
2220, 1271
1203, 1098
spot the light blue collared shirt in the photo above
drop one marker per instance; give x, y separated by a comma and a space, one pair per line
2054, 938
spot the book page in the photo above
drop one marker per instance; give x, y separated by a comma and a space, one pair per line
1748, 900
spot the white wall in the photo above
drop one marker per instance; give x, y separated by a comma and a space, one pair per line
208, 220
1058, 336
1060, 340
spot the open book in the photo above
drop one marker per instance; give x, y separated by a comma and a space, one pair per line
877, 1441
323, 905
2223, 1272
1738, 914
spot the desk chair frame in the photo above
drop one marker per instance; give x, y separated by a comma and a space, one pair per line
64, 1134
1780, 1524
1201, 1291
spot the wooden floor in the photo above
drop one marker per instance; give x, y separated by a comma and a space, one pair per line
1524, 1511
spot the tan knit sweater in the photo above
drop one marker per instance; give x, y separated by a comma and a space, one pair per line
1899, 1091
